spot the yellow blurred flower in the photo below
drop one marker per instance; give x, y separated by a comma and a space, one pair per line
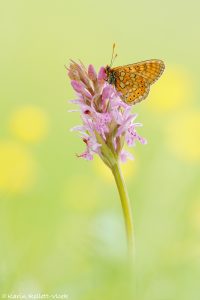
172, 90
18, 168
129, 169
29, 123
183, 136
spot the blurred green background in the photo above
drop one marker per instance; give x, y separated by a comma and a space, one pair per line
61, 226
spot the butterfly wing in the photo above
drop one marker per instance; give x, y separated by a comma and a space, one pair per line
133, 81
133, 88
150, 69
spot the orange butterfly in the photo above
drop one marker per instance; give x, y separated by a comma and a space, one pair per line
133, 81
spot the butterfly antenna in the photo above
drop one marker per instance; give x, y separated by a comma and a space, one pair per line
113, 56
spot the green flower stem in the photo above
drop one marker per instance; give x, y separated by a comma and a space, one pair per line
123, 193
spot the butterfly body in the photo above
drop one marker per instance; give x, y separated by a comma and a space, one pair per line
133, 81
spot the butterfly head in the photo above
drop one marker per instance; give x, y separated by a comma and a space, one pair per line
110, 75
